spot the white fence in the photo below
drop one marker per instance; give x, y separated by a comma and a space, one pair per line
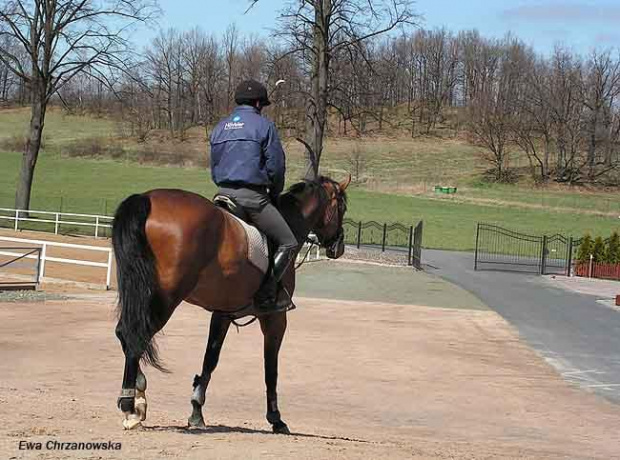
97, 223
45, 258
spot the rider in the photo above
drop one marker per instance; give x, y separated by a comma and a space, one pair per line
248, 164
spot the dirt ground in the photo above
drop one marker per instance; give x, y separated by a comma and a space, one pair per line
358, 380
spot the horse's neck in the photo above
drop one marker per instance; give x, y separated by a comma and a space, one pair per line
299, 224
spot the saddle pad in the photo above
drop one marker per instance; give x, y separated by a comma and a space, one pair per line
258, 250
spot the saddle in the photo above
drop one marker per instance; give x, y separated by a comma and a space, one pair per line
258, 245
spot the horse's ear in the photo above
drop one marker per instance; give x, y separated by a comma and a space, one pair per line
345, 183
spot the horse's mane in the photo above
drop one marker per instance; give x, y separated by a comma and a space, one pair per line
297, 191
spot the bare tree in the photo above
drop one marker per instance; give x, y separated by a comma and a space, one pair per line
601, 89
231, 44
62, 39
317, 29
493, 110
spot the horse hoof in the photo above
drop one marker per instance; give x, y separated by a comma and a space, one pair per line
132, 421
140, 407
280, 428
196, 423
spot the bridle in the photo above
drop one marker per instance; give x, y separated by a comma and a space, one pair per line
338, 211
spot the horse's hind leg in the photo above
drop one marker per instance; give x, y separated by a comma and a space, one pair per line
217, 333
127, 399
273, 327
132, 400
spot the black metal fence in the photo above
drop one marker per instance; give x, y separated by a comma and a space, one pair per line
503, 249
386, 237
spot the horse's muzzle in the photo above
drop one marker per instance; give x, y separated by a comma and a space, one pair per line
336, 248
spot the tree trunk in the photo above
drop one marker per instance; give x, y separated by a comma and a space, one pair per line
316, 110
33, 144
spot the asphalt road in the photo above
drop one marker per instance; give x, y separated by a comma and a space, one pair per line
576, 334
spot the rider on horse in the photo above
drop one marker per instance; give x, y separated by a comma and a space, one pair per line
248, 165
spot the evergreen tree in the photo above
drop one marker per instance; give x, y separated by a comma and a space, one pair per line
598, 249
612, 255
585, 249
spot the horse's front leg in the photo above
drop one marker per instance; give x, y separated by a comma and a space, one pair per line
273, 327
217, 333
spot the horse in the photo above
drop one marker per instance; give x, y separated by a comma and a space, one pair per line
173, 245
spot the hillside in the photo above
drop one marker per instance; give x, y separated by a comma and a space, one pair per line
88, 166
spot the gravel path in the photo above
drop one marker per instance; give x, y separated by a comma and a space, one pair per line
29, 296
371, 254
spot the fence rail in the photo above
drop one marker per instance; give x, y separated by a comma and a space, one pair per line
17, 261
386, 236
58, 219
45, 258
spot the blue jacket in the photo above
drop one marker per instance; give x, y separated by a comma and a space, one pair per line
246, 150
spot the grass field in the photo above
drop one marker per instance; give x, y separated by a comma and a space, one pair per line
97, 186
396, 182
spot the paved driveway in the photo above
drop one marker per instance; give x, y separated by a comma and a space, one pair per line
575, 332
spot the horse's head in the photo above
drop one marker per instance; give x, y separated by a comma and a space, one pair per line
318, 206
328, 228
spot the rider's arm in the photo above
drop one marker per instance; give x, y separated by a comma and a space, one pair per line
275, 162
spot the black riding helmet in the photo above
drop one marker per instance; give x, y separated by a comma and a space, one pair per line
250, 91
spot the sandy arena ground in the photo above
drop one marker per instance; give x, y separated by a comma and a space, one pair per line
357, 380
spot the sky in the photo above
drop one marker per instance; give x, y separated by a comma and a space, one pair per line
580, 25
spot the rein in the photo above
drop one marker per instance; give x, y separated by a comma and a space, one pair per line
312, 243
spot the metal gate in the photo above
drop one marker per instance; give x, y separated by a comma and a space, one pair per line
20, 267
502, 249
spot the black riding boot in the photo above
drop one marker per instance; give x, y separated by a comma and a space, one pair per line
267, 298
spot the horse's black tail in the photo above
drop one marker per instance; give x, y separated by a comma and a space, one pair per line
139, 306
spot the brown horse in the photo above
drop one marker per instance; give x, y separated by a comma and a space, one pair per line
172, 245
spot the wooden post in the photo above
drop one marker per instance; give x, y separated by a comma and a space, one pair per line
359, 234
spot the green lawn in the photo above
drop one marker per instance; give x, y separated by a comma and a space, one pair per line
91, 186
59, 130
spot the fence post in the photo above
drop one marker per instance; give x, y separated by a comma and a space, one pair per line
16, 218
543, 261
57, 223
108, 277
384, 235
43, 257
39, 265
359, 234
476, 253
409, 261
570, 256
97, 227
590, 267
